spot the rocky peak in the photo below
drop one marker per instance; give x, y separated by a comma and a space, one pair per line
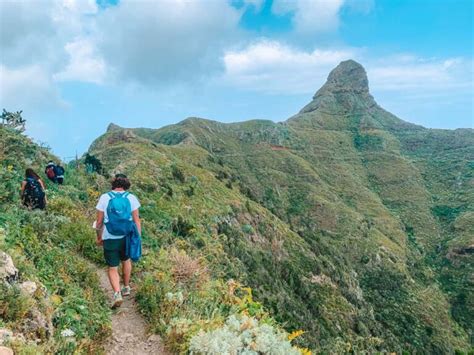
112, 127
346, 82
348, 76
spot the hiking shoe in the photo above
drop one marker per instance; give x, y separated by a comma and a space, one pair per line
117, 301
126, 291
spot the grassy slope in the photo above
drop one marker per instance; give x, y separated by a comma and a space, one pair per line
445, 160
354, 202
367, 193
345, 221
182, 279
50, 248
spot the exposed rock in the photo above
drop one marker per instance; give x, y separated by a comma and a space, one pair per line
347, 76
28, 287
5, 335
8, 271
113, 127
347, 80
37, 325
5, 351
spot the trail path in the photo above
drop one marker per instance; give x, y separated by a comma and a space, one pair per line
129, 335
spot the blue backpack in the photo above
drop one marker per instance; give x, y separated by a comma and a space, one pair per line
119, 212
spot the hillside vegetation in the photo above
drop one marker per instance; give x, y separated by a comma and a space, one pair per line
344, 221
50, 299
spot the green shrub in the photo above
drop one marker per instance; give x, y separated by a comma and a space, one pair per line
242, 335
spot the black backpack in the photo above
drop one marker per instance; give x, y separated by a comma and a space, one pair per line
59, 170
34, 195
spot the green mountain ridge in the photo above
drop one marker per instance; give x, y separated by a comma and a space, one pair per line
372, 201
344, 220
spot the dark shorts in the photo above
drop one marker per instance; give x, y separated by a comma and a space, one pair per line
114, 251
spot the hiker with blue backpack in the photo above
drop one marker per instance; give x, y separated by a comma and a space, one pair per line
117, 210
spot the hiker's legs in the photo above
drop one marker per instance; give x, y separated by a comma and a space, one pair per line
114, 278
127, 271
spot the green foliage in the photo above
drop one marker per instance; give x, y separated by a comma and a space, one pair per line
242, 335
178, 173
347, 222
446, 213
367, 141
316, 213
93, 164
14, 305
13, 120
50, 248
181, 299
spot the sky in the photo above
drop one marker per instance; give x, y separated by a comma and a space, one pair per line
74, 66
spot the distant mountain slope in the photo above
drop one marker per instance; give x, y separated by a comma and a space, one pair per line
345, 220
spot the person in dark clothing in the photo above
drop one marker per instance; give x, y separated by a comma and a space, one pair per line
32, 191
59, 171
50, 171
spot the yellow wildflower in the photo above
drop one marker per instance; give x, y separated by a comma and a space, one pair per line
295, 334
56, 299
305, 351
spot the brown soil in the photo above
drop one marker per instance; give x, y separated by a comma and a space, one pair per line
129, 329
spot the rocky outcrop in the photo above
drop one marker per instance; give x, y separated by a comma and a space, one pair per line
348, 83
8, 271
5, 351
36, 326
28, 287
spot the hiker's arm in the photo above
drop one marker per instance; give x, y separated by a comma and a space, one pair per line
136, 219
99, 226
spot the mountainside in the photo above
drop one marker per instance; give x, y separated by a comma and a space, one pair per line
345, 221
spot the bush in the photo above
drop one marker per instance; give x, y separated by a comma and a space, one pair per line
242, 335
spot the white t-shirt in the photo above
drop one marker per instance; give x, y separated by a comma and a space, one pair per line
102, 207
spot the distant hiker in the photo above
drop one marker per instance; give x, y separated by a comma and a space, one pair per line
32, 191
118, 211
59, 173
50, 171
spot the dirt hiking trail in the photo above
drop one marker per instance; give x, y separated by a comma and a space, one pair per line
129, 329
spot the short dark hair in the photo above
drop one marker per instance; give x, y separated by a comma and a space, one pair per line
120, 181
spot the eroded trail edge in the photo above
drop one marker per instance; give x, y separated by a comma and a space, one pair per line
129, 329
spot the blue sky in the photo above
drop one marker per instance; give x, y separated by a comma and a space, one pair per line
74, 66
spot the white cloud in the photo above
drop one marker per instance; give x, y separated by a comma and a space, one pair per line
272, 67
166, 41
310, 16
25, 32
36, 39
411, 73
84, 64
35, 32
28, 87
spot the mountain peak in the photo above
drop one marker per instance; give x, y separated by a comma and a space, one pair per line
346, 81
112, 127
348, 76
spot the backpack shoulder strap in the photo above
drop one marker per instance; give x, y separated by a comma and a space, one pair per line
111, 194
125, 194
